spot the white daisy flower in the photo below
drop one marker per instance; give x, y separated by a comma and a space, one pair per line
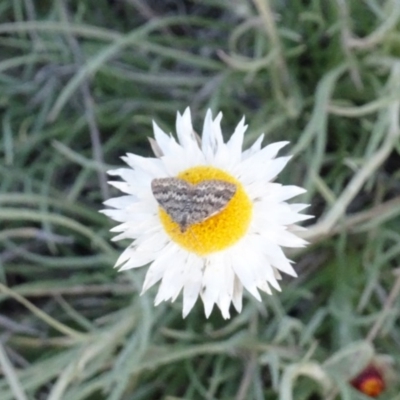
217, 226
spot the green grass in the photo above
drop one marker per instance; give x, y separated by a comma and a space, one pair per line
81, 82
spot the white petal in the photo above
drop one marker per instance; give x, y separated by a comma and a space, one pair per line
138, 260
151, 166
226, 292
166, 143
212, 140
223, 304
277, 259
275, 167
235, 143
142, 252
277, 274
128, 253
136, 181
208, 142
125, 173
174, 277
217, 132
159, 266
287, 192
123, 187
212, 280
183, 159
300, 207
120, 202
260, 171
269, 212
154, 242
255, 148
285, 238
193, 282
259, 252
243, 266
218, 283
184, 130
264, 287
116, 215
269, 152
237, 298
132, 231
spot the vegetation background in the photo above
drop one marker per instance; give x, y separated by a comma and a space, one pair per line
81, 82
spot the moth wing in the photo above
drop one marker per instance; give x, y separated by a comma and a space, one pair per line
210, 198
172, 195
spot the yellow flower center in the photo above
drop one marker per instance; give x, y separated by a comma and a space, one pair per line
219, 231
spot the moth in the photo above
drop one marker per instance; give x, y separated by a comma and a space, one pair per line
189, 204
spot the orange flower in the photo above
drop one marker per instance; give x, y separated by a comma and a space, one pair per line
370, 381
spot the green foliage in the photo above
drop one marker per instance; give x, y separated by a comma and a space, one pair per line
81, 82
